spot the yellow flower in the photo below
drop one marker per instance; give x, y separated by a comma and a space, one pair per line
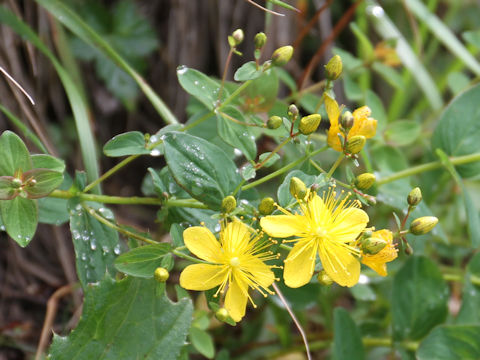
389, 253
235, 263
362, 125
328, 226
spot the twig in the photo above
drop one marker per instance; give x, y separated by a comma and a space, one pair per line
264, 8
7, 75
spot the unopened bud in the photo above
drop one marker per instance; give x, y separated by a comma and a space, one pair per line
292, 111
17, 183
408, 249
282, 56
324, 279
298, 189
364, 181
347, 120
309, 124
373, 245
274, 122
355, 144
221, 314
260, 40
415, 197
334, 68
238, 36
267, 205
423, 225
161, 274
229, 204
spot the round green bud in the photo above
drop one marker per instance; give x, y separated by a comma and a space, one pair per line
292, 111
274, 122
298, 189
415, 197
161, 274
309, 124
229, 203
423, 225
260, 40
238, 36
324, 279
334, 68
372, 245
267, 205
355, 144
364, 181
282, 56
347, 120
221, 314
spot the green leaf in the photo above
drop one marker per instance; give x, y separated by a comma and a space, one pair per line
20, 217
378, 110
52, 210
248, 172
129, 143
237, 135
41, 182
389, 74
472, 37
402, 132
419, 299
451, 342
347, 340
142, 261
96, 245
44, 161
458, 129
13, 154
202, 341
200, 86
470, 310
261, 94
8, 190
270, 161
457, 82
200, 168
126, 320
247, 71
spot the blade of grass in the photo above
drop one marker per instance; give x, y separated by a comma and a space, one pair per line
386, 29
79, 108
75, 24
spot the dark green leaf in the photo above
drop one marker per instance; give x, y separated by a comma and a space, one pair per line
96, 245
451, 342
458, 130
41, 182
47, 162
419, 299
201, 168
126, 320
247, 71
13, 154
470, 310
142, 261
347, 340
402, 132
130, 143
202, 342
270, 161
20, 218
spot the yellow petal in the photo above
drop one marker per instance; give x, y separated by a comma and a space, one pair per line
202, 276
284, 225
259, 271
236, 299
332, 138
300, 263
348, 225
235, 237
379, 267
317, 210
363, 124
362, 113
339, 263
201, 242
333, 111
389, 253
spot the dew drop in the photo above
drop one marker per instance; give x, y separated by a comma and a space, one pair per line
116, 249
155, 152
182, 69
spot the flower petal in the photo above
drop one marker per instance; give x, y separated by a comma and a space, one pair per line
201, 242
332, 138
260, 272
363, 124
300, 263
333, 111
284, 225
202, 276
339, 263
235, 237
389, 253
236, 299
317, 210
348, 224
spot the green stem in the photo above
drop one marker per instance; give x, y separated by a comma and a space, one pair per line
459, 160
277, 149
319, 168
188, 257
335, 165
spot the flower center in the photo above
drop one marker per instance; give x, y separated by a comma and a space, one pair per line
235, 261
321, 232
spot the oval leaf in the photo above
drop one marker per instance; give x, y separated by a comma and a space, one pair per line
41, 182
130, 143
347, 341
13, 154
20, 217
44, 161
247, 71
142, 261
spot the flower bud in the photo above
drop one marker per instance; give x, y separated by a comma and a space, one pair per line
274, 122
309, 124
16, 183
324, 279
238, 36
260, 40
355, 144
221, 314
364, 181
293, 111
282, 56
267, 205
372, 245
298, 189
229, 204
334, 68
347, 120
423, 225
161, 274
415, 197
